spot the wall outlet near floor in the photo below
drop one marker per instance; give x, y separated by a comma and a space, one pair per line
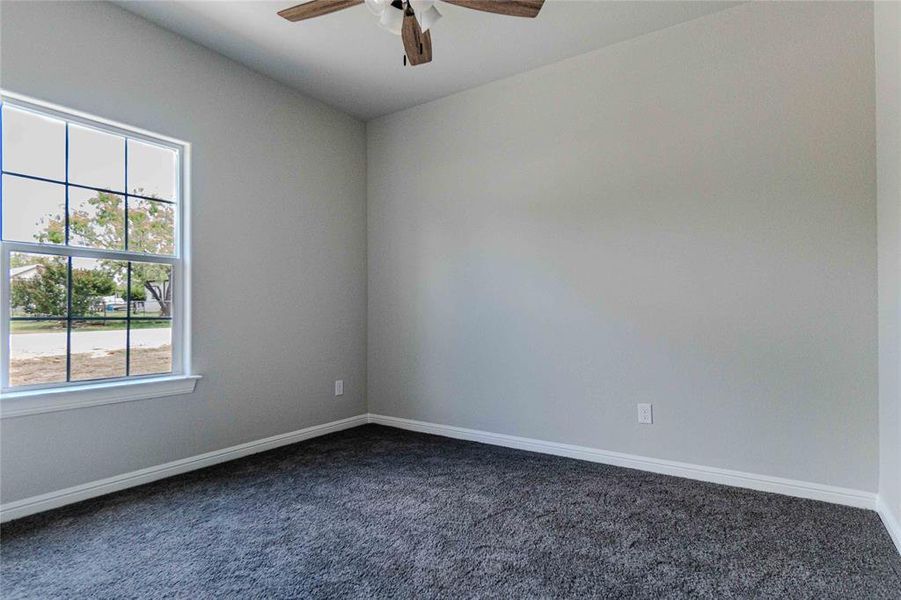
646, 413
339, 387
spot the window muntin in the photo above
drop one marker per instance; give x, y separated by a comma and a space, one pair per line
90, 251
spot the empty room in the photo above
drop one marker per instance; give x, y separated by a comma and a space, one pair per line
450, 299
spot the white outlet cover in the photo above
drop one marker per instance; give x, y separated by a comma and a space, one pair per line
339, 387
646, 414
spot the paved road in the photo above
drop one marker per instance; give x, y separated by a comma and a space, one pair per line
30, 345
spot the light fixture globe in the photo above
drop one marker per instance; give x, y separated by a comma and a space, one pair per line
427, 18
377, 7
392, 18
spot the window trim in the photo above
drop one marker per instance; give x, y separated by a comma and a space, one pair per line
19, 400
112, 391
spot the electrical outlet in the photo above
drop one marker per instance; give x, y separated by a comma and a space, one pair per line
339, 387
645, 414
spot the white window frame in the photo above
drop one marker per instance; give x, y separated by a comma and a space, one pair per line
26, 400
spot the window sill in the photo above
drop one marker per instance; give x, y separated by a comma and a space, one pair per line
33, 402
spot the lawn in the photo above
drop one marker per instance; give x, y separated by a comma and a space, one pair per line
51, 326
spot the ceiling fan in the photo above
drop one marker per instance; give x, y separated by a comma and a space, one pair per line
411, 19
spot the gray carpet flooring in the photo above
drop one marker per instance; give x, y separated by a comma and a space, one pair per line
378, 512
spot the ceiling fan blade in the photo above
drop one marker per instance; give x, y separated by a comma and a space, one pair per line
316, 8
418, 45
512, 8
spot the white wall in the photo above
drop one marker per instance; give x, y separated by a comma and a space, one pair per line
888, 149
275, 174
687, 218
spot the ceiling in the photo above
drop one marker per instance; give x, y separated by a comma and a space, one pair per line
347, 61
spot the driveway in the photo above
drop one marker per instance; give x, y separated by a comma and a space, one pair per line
31, 345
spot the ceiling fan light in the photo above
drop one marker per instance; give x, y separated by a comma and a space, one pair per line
392, 20
420, 6
427, 18
377, 7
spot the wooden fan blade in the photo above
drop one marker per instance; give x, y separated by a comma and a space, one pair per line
418, 45
316, 8
512, 8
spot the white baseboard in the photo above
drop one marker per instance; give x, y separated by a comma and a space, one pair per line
891, 521
790, 487
36, 504
764, 483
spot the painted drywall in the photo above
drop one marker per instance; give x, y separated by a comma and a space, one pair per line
687, 218
279, 287
887, 30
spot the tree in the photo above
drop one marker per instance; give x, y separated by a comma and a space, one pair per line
100, 223
45, 293
87, 286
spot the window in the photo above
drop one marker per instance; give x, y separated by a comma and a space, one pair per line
94, 274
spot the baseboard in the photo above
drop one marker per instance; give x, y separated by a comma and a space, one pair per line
764, 483
790, 487
891, 521
36, 504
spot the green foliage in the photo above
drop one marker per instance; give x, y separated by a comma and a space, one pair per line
17, 259
88, 287
55, 233
101, 224
151, 227
43, 294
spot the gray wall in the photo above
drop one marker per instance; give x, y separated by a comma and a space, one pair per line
279, 244
888, 148
687, 218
